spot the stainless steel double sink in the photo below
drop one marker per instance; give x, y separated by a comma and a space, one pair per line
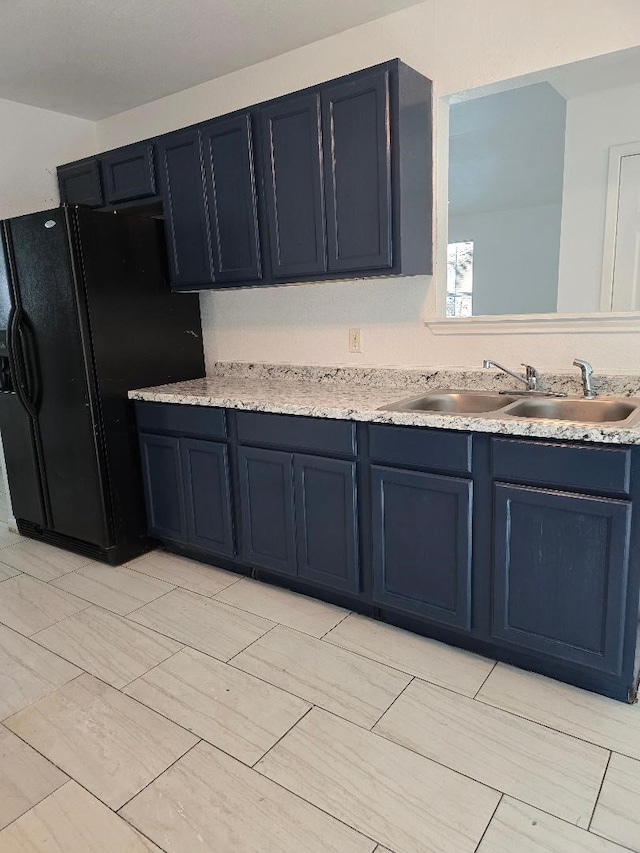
575, 409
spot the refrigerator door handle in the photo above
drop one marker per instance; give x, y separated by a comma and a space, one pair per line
16, 363
29, 361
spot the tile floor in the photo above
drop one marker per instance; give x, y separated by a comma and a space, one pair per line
170, 706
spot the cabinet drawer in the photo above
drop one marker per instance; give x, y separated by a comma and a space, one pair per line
296, 433
562, 465
422, 448
178, 418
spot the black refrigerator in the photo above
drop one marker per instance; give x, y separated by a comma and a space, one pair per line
86, 314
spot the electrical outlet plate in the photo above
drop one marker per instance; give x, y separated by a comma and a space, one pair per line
354, 340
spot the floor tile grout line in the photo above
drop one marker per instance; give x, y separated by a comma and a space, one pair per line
254, 769
405, 671
622, 845
147, 671
57, 788
155, 778
491, 671
248, 646
391, 704
333, 627
151, 601
486, 829
46, 797
178, 585
551, 728
471, 778
269, 618
597, 799
283, 735
35, 639
46, 628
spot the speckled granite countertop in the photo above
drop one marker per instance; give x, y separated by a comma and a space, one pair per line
357, 394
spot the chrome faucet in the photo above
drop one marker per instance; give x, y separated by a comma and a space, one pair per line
530, 378
587, 373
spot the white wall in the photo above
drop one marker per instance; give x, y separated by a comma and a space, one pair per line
515, 258
594, 123
32, 143
506, 159
459, 44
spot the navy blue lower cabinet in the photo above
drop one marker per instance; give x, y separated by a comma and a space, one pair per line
267, 509
162, 477
422, 544
205, 468
326, 521
560, 575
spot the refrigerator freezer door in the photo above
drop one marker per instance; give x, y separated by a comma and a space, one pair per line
60, 370
21, 460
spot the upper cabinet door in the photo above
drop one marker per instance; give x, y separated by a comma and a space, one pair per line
292, 156
232, 205
129, 173
79, 183
357, 167
183, 190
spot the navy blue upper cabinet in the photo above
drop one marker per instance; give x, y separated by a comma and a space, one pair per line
357, 168
79, 183
232, 201
561, 574
326, 521
330, 182
292, 164
129, 173
182, 186
421, 527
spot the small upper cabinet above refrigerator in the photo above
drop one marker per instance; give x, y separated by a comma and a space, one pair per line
80, 183
129, 173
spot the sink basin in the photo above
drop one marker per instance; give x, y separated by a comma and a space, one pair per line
453, 403
585, 411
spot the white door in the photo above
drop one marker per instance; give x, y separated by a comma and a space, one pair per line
626, 269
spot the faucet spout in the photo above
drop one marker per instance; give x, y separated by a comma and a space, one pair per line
530, 379
587, 373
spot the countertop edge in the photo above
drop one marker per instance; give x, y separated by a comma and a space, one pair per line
505, 425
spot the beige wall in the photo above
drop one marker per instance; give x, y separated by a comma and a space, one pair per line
32, 143
459, 44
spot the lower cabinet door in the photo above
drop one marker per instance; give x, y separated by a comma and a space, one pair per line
421, 530
326, 522
560, 574
267, 512
162, 478
207, 494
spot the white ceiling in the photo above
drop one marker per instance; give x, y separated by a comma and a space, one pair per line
95, 58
